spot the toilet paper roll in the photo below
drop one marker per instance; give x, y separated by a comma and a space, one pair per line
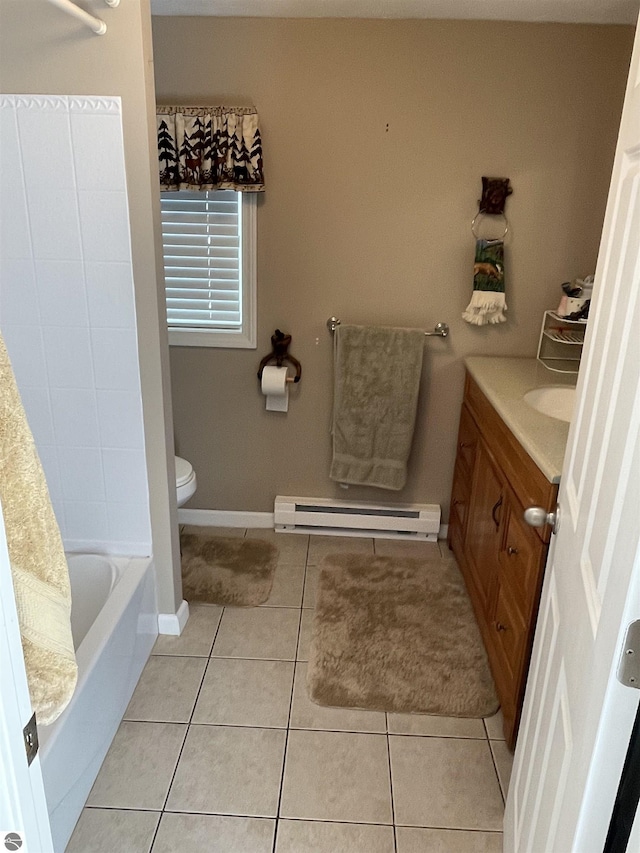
275, 388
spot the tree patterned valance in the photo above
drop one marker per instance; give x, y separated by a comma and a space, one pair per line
209, 148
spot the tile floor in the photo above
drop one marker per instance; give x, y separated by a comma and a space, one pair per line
221, 751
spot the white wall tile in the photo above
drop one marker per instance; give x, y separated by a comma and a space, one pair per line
10, 152
45, 140
55, 223
18, 294
105, 225
68, 354
120, 419
62, 293
130, 523
98, 151
115, 359
15, 241
75, 417
38, 410
86, 520
110, 295
26, 352
73, 309
125, 476
81, 474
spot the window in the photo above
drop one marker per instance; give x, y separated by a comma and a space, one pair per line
209, 241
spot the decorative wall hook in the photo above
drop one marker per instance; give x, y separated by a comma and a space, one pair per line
494, 196
280, 343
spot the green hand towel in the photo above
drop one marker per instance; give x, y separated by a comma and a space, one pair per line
487, 301
377, 379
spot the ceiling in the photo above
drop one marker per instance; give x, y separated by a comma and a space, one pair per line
570, 11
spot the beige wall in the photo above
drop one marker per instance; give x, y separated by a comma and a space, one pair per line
376, 135
44, 51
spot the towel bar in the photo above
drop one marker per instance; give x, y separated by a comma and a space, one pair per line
441, 330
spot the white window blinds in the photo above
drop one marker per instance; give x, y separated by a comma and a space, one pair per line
202, 238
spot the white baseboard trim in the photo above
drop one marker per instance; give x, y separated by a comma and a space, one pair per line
233, 518
173, 623
225, 518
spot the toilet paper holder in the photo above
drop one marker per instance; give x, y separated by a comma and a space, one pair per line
280, 343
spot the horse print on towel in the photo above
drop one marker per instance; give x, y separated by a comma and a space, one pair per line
488, 269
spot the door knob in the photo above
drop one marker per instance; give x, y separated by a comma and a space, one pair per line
536, 516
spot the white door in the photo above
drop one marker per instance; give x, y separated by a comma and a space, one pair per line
23, 808
577, 717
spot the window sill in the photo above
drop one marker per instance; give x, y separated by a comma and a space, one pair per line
203, 338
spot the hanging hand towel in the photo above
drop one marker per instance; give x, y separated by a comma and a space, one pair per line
487, 302
376, 384
38, 564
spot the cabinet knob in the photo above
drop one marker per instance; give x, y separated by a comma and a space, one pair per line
500, 626
536, 516
464, 444
512, 551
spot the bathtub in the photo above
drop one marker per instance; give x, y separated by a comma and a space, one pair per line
115, 623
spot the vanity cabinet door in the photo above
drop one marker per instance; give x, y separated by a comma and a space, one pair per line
522, 557
483, 537
468, 437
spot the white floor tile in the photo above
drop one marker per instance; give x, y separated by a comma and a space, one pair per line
106, 830
245, 693
197, 636
137, 770
310, 584
337, 776
167, 689
266, 633
503, 758
494, 726
288, 581
418, 840
304, 836
304, 640
195, 833
426, 724
444, 782
227, 770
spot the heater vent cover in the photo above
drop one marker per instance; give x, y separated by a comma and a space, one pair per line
346, 518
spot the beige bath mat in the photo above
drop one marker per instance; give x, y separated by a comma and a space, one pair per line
399, 635
226, 570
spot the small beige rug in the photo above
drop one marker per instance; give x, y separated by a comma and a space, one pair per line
397, 634
226, 570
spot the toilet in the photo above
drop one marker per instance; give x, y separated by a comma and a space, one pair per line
186, 482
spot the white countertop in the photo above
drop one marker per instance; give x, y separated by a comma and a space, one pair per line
504, 382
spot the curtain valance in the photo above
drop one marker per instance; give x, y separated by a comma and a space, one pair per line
209, 148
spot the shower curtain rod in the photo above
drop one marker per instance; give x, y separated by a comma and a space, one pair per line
96, 25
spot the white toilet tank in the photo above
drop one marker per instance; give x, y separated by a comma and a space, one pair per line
186, 482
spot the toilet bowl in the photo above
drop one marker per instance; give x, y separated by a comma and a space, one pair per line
186, 482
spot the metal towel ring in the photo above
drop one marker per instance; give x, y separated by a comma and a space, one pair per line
482, 213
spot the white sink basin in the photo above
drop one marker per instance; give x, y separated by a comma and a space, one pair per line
557, 401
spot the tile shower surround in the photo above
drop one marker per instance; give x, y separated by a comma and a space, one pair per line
222, 751
67, 312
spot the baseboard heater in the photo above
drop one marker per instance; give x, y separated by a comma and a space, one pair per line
345, 518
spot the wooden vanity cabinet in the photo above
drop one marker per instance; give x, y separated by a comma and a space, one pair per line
501, 557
